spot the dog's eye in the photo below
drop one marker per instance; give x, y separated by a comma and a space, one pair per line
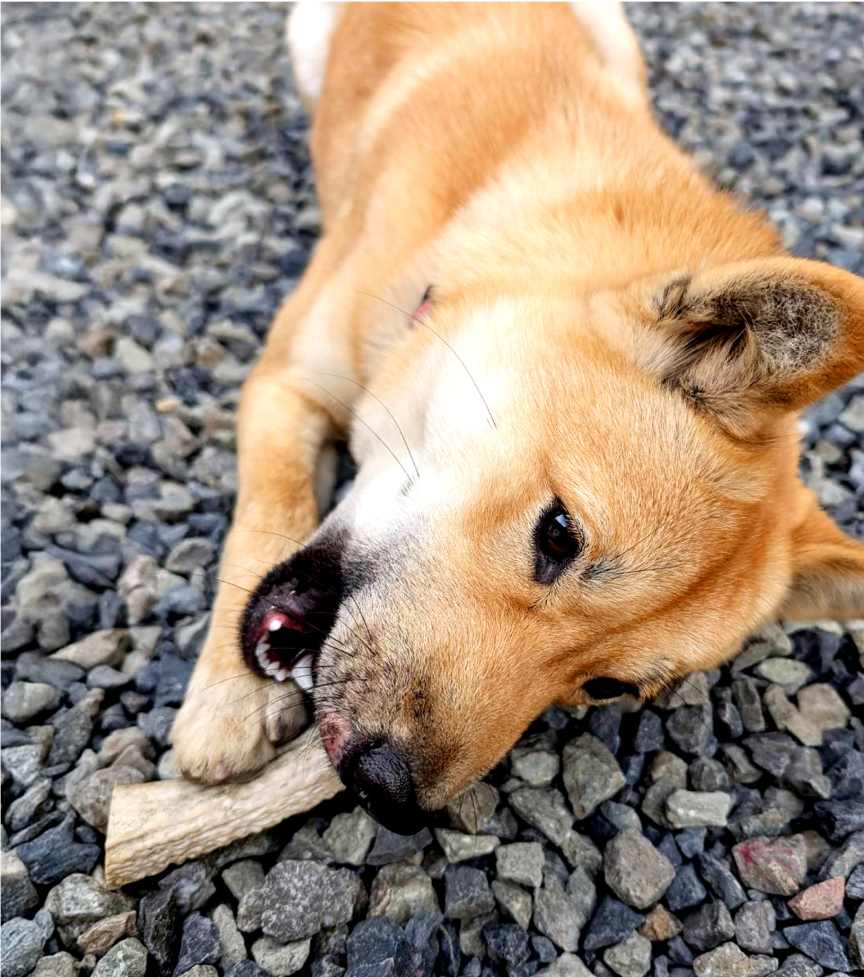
608, 688
557, 540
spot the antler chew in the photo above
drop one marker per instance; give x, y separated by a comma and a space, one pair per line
154, 825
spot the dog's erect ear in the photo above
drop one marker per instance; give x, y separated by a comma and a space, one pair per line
753, 339
828, 572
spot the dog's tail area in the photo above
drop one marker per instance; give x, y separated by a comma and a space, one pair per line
310, 27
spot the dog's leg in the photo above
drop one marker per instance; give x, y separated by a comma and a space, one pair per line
231, 717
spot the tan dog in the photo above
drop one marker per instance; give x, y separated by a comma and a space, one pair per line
577, 458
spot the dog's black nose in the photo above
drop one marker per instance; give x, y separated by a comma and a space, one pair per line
381, 780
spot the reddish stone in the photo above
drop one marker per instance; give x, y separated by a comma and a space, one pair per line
660, 924
775, 865
820, 901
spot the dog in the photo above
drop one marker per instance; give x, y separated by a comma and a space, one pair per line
569, 370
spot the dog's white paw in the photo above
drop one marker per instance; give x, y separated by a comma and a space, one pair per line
226, 728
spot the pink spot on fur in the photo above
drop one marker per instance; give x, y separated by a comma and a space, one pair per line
335, 733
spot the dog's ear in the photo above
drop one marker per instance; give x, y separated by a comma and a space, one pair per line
747, 341
828, 572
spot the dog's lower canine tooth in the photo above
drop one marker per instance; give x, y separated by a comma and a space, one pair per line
302, 673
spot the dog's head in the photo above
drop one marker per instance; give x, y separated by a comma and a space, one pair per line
564, 498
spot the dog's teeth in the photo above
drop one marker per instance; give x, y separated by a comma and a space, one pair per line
281, 675
302, 673
274, 625
261, 650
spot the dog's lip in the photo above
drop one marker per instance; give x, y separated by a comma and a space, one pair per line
281, 663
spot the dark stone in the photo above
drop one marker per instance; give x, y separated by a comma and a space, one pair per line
679, 952
604, 722
709, 926
449, 954
632, 767
741, 155
506, 943
727, 720
301, 898
54, 854
611, 923
247, 968
707, 774
836, 743
544, 949
855, 884
666, 846
390, 847
691, 841
804, 775
649, 733
33, 667
466, 892
326, 966
422, 931
174, 675
199, 945
847, 775
771, 751
191, 886
377, 940
722, 881
838, 819
692, 729
746, 696
73, 728
686, 890
822, 943
159, 926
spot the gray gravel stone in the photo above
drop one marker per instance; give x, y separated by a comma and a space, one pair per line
635, 871
231, 942
19, 896
591, 774
458, 847
631, 957
350, 836
545, 810
693, 809
754, 924
280, 959
729, 961
557, 916
127, 959
521, 862
466, 893
400, 890
513, 901
21, 942
821, 942
708, 926
22, 701
301, 898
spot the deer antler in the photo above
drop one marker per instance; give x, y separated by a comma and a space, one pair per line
151, 826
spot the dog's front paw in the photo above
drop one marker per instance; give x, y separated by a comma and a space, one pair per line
226, 727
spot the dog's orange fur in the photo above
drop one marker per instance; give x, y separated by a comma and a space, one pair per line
638, 345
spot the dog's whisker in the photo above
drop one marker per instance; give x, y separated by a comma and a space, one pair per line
444, 341
381, 402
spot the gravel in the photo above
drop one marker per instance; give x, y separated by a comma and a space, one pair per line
157, 205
